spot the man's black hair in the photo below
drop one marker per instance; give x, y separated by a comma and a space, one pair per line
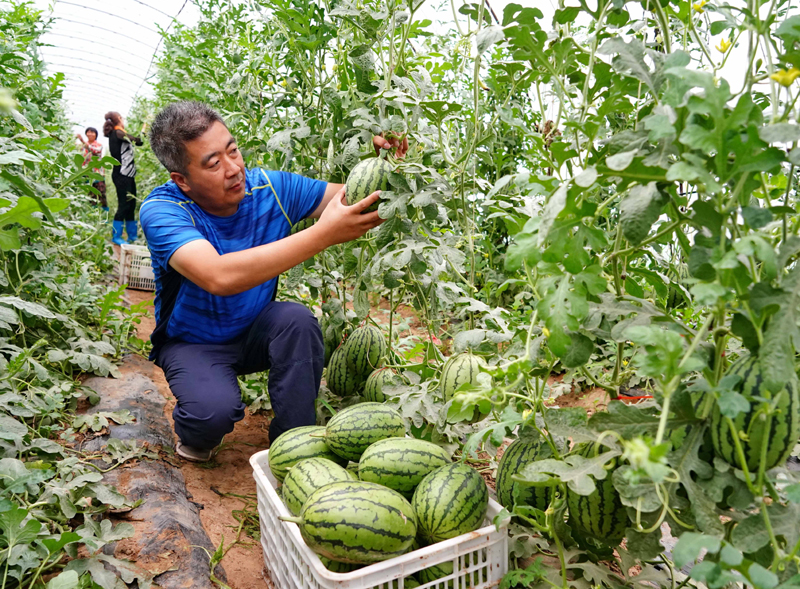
174, 126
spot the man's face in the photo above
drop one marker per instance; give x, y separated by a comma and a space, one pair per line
214, 177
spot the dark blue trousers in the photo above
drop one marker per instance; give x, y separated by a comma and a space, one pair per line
285, 339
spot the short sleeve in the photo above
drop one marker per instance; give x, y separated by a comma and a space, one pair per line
298, 195
167, 226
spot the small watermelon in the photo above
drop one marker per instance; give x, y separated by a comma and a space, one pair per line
365, 349
784, 426
307, 476
368, 176
515, 458
373, 388
341, 380
304, 224
459, 370
297, 444
356, 428
339, 567
357, 522
599, 515
401, 463
450, 501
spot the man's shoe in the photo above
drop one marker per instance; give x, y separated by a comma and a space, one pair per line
194, 454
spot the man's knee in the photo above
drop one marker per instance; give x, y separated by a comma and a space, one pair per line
205, 425
297, 317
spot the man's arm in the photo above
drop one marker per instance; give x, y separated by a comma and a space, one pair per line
230, 274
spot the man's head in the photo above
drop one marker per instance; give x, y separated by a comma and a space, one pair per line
91, 134
191, 140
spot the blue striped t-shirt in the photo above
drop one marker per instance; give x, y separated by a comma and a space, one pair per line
184, 311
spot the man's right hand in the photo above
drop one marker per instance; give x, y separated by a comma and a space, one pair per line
341, 223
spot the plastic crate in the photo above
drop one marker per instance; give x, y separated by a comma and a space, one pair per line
135, 268
480, 558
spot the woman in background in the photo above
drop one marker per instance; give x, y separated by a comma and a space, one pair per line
93, 148
120, 147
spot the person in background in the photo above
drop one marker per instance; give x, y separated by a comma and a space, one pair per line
91, 147
120, 147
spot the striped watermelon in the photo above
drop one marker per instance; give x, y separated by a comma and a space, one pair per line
373, 388
356, 428
450, 501
307, 476
601, 514
304, 224
401, 463
357, 522
443, 569
339, 567
367, 177
518, 455
784, 427
365, 349
295, 445
462, 369
342, 381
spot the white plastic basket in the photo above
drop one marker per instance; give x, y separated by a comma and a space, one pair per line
135, 268
480, 558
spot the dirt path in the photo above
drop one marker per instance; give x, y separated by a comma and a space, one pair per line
230, 473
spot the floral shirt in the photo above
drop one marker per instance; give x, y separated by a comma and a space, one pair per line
95, 148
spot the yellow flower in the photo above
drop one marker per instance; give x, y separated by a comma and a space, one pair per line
698, 6
283, 83
546, 332
270, 83
724, 45
526, 413
785, 78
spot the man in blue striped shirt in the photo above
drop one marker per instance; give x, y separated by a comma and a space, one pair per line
219, 236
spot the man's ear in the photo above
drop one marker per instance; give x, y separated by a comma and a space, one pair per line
180, 180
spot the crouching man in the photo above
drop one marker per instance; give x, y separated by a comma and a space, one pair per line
219, 236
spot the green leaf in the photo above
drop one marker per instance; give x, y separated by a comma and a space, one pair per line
65, 580
640, 209
793, 493
487, 37
553, 208
750, 534
628, 421
761, 577
16, 532
578, 352
690, 545
756, 217
730, 556
577, 472
780, 133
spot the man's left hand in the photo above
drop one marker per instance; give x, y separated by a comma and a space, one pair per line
380, 142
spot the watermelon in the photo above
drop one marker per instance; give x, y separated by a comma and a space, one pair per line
373, 388
364, 350
599, 515
304, 224
444, 569
307, 476
297, 444
450, 501
338, 567
367, 177
459, 370
784, 427
356, 428
342, 381
401, 463
518, 455
357, 522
